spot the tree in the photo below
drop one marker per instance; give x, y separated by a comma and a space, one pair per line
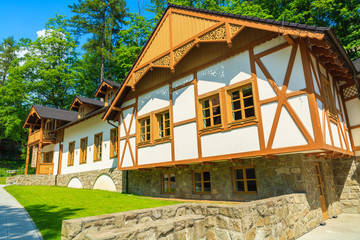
102, 19
8, 50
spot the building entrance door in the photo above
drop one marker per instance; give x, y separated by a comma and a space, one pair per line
320, 185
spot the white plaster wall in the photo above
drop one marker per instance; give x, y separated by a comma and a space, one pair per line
105, 182
315, 75
182, 81
320, 111
239, 140
269, 44
353, 109
276, 63
185, 139
184, 104
301, 106
87, 128
154, 100
227, 72
297, 77
327, 132
265, 89
268, 114
129, 122
356, 136
128, 102
335, 134
287, 133
128, 160
75, 183
155, 154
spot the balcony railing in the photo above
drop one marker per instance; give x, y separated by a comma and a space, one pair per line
46, 168
36, 136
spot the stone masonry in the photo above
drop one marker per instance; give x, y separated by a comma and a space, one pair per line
285, 217
347, 178
275, 177
87, 179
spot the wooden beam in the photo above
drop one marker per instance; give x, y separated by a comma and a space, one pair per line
27, 160
334, 67
289, 39
324, 52
320, 43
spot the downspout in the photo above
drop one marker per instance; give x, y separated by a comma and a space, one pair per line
56, 175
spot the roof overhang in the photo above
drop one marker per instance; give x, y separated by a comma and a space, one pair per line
32, 119
76, 104
100, 92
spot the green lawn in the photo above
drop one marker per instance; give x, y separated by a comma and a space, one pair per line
48, 206
2, 180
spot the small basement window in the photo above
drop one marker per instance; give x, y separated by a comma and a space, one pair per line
202, 183
168, 183
244, 179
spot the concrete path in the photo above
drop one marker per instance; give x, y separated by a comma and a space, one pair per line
345, 227
15, 222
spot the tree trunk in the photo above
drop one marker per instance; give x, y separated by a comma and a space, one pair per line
102, 47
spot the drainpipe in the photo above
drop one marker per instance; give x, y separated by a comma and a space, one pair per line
108, 121
56, 176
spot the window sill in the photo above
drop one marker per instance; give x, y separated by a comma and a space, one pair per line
244, 122
247, 193
156, 141
203, 193
70, 165
81, 163
211, 129
115, 156
333, 117
97, 160
161, 140
143, 144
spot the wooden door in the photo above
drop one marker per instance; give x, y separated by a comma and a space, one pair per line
320, 185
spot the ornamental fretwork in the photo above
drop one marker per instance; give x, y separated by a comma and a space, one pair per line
234, 29
140, 72
163, 61
218, 33
178, 53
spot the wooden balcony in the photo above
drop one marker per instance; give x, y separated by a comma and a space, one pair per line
36, 137
46, 168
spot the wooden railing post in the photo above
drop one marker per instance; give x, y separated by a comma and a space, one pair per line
27, 160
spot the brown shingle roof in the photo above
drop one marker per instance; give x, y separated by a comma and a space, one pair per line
54, 113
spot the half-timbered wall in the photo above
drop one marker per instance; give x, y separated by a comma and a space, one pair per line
289, 103
87, 128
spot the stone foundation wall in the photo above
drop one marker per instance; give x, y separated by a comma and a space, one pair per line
285, 217
87, 179
347, 178
275, 177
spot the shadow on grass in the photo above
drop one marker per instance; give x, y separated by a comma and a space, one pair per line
48, 218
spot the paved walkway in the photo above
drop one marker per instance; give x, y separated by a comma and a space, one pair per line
15, 223
345, 227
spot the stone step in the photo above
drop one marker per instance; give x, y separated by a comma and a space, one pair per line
183, 227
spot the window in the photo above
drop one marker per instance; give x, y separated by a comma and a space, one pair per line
83, 150
168, 183
144, 125
98, 147
82, 111
241, 103
48, 157
113, 143
202, 182
163, 120
244, 179
71, 154
211, 114
329, 101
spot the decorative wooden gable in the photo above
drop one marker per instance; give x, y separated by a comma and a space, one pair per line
181, 30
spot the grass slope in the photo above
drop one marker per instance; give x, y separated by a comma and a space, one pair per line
48, 206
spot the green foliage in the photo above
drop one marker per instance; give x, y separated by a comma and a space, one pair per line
8, 48
2, 180
102, 20
49, 206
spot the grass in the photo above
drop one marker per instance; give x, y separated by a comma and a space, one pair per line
48, 206
2, 180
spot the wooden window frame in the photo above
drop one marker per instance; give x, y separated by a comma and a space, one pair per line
169, 183
96, 148
239, 87
71, 155
330, 107
51, 153
157, 127
114, 144
201, 181
138, 132
201, 117
83, 151
245, 180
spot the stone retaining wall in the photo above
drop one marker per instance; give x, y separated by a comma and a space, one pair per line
284, 217
347, 178
87, 179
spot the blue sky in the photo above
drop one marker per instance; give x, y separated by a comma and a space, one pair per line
23, 18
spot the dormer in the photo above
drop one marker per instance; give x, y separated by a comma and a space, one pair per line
85, 105
107, 90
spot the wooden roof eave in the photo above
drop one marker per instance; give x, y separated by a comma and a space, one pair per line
31, 112
73, 105
100, 92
